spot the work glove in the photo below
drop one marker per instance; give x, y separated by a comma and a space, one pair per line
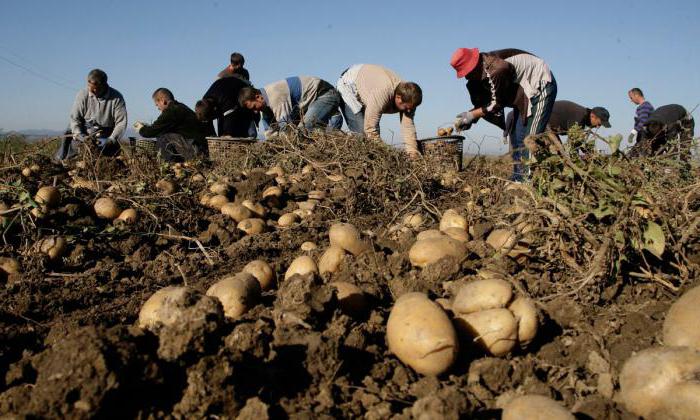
464, 121
138, 125
632, 137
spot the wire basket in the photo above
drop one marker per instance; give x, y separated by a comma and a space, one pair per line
226, 148
140, 149
445, 151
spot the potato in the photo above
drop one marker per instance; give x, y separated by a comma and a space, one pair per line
429, 251
680, 326
166, 187
651, 377
257, 209
128, 216
106, 208
351, 299
197, 178
9, 265
163, 308
457, 234
3, 207
252, 226
301, 265
237, 293
218, 201
441, 132
501, 239
331, 259
39, 212
335, 177
478, 295
219, 188
304, 214
308, 246
287, 219
275, 171
535, 407
309, 205
281, 180
495, 330
681, 402
307, 169
317, 195
27, 172
413, 220
525, 313
262, 271
346, 236
236, 211
273, 191
53, 246
452, 219
429, 234
421, 335
48, 196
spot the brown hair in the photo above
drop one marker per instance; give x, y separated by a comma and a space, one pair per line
637, 91
246, 94
410, 93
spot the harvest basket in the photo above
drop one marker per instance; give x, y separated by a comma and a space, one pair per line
226, 148
445, 151
140, 149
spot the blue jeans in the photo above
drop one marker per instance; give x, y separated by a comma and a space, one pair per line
541, 105
355, 122
319, 113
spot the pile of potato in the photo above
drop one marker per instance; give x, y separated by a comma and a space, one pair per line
449, 241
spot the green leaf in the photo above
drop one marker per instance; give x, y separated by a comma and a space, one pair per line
614, 170
654, 240
614, 143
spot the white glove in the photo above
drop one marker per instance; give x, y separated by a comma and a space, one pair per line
464, 120
138, 125
632, 137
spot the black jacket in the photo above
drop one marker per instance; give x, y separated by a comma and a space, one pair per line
566, 114
177, 118
233, 120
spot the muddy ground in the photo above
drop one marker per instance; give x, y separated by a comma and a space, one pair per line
69, 347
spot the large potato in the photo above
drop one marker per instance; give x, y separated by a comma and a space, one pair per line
429, 251
331, 259
164, 307
54, 247
258, 209
301, 265
262, 271
495, 330
452, 219
478, 295
106, 208
458, 234
287, 219
535, 407
681, 323
218, 201
501, 239
251, 226
421, 335
682, 402
128, 216
525, 313
236, 211
237, 293
346, 236
649, 378
48, 196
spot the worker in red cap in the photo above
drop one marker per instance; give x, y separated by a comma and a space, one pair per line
507, 78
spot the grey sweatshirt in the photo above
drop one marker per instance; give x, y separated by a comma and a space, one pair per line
109, 110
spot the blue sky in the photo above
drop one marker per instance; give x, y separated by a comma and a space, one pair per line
596, 49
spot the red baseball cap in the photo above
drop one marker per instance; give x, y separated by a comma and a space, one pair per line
464, 60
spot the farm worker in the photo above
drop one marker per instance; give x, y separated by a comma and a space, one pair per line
669, 127
369, 91
303, 100
235, 69
220, 103
178, 131
641, 116
507, 78
99, 114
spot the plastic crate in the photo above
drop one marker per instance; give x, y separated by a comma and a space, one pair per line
445, 151
226, 148
140, 149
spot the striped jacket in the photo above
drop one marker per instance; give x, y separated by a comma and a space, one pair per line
289, 99
507, 78
641, 117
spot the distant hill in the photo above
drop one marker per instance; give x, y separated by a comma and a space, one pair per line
32, 135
